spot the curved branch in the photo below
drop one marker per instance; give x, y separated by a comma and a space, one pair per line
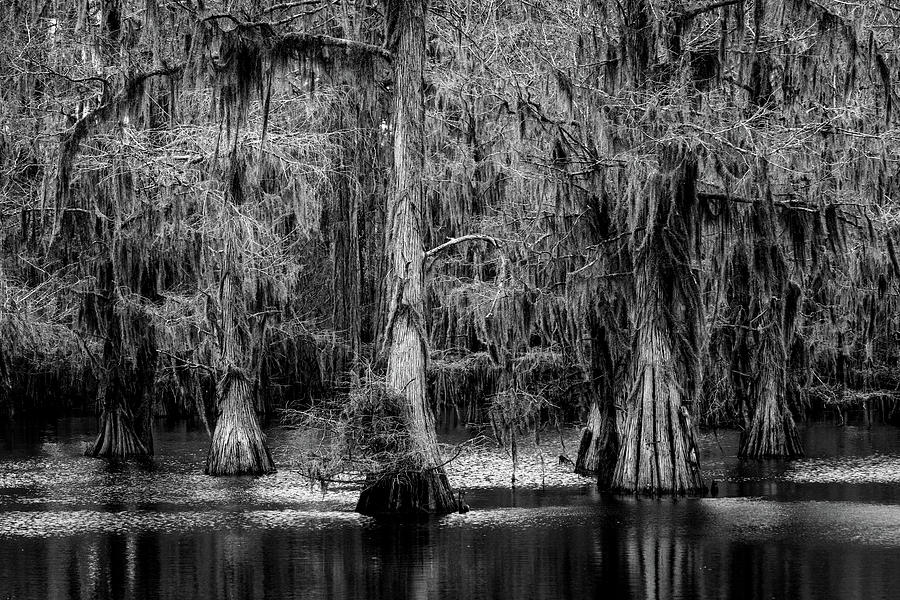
429, 255
70, 140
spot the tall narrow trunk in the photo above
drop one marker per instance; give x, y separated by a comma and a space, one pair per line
345, 253
422, 486
658, 453
771, 431
238, 444
599, 446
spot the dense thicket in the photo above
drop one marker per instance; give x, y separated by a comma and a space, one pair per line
645, 214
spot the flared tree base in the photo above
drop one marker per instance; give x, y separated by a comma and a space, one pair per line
238, 445
239, 450
407, 494
117, 438
772, 434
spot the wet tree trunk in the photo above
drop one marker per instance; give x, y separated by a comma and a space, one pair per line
238, 444
599, 446
421, 487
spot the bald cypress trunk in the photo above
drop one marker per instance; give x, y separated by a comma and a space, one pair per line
420, 486
599, 444
238, 444
118, 437
600, 438
658, 454
771, 431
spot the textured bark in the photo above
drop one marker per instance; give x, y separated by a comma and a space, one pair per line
423, 487
345, 226
599, 446
117, 437
658, 453
771, 431
238, 444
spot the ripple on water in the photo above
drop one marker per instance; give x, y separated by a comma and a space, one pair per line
65, 523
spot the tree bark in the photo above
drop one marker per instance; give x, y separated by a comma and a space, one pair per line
422, 488
599, 446
238, 444
117, 437
771, 432
658, 453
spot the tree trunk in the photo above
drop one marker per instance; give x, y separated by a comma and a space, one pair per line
658, 453
422, 488
117, 437
771, 431
599, 446
238, 444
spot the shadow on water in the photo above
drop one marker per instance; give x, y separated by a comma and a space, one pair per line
72, 527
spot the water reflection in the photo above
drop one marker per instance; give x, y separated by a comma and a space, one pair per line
77, 528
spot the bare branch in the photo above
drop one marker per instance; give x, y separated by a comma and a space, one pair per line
465, 238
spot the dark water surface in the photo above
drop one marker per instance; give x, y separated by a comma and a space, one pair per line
826, 526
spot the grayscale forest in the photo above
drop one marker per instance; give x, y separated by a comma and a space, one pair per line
645, 218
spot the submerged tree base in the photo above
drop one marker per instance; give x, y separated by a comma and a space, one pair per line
407, 493
117, 438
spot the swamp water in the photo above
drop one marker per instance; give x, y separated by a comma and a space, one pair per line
826, 526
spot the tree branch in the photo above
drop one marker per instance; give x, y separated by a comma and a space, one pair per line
698, 10
465, 238
290, 39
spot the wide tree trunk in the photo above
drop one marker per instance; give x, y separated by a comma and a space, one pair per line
238, 444
420, 486
658, 453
